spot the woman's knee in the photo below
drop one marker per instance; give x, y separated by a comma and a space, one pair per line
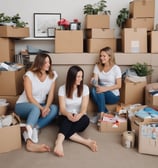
54, 110
93, 91
35, 109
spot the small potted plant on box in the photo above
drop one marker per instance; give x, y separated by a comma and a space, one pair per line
142, 69
122, 17
97, 8
97, 15
11, 20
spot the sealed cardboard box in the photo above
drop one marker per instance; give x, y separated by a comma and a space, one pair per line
148, 138
11, 82
94, 45
100, 33
68, 41
10, 138
147, 23
133, 92
142, 8
134, 40
14, 32
97, 21
153, 41
7, 50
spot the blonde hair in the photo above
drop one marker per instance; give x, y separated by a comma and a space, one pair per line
110, 53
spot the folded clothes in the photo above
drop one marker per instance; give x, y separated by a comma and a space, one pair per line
147, 112
142, 114
153, 113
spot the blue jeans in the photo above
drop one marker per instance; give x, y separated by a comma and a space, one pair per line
32, 114
101, 99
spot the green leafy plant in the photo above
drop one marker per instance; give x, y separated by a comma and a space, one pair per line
13, 20
4, 18
94, 9
142, 69
122, 17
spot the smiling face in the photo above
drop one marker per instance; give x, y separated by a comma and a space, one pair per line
79, 78
104, 57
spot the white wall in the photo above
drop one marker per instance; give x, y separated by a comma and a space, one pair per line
69, 9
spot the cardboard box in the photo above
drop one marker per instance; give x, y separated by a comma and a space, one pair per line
11, 100
142, 8
14, 32
149, 98
148, 138
7, 50
147, 23
10, 138
94, 45
134, 40
11, 82
106, 126
68, 41
153, 41
99, 33
97, 21
132, 92
135, 123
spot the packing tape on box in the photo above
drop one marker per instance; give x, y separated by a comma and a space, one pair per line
128, 139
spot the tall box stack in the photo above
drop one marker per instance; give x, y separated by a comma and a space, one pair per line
142, 14
7, 36
98, 33
11, 82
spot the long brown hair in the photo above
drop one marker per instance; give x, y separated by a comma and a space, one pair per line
70, 80
110, 53
38, 64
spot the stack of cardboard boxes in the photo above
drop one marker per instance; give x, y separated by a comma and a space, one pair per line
98, 33
11, 83
134, 40
141, 21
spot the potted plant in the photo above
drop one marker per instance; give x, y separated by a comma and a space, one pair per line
142, 69
12, 20
5, 20
97, 8
97, 15
122, 17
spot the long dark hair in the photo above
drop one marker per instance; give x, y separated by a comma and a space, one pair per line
70, 80
38, 64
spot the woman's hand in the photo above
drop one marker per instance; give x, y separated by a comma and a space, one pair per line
45, 111
73, 117
100, 89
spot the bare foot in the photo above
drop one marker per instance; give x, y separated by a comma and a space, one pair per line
58, 149
92, 145
31, 147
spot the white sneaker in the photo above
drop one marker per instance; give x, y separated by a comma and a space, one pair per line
25, 135
94, 119
35, 135
29, 131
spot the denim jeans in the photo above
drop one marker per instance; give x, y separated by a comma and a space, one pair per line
101, 99
32, 114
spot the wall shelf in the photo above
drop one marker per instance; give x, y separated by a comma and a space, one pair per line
34, 39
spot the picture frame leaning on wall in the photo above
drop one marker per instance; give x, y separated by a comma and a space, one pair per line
45, 24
